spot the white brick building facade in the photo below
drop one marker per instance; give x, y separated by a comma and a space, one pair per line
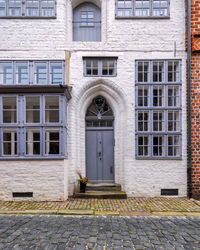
127, 39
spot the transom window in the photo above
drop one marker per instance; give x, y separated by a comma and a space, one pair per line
32, 125
100, 66
99, 113
27, 8
32, 72
142, 8
158, 109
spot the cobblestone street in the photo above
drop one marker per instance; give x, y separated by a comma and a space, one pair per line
97, 232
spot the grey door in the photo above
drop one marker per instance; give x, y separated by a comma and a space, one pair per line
100, 155
87, 23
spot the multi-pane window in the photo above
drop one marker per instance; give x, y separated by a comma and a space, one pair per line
87, 18
142, 8
32, 125
9, 146
100, 66
52, 144
32, 72
32, 109
33, 142
27, 8
9, 109
158, 108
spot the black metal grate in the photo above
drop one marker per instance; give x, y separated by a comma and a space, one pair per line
169, 191
22, 194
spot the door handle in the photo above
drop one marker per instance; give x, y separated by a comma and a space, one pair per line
111, 169
99, 154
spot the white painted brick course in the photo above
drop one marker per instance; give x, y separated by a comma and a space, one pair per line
129, 40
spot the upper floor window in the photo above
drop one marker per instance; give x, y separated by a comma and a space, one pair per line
100, 66
27, 8
142, 8
158, 109
30, 72
87, 23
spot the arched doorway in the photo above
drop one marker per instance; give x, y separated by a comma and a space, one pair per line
100, 141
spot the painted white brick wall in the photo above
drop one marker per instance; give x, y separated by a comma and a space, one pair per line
46, 179
129, 40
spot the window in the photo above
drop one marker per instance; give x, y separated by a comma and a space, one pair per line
142, 8
9, 142
52, 109
87, 18
32, 72
33, 142
9, 109
100, 66
158, 109
32, 109
39, 129
28, 8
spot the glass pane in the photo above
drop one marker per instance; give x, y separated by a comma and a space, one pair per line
32, 142
33, 109
9, 110
10, 142
6, 73
158, 72
56, 73
14, 7
51, 109
2, 7
32, 7
47, 8
21, 73
52, 142
41, 73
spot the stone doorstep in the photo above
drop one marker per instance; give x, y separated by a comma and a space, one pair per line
101, 195
103, 187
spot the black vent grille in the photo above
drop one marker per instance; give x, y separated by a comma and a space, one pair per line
169, 192
22, 194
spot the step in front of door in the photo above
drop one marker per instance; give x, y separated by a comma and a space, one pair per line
103, 187
101, 195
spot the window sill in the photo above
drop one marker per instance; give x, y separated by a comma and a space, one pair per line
158, 158
142, 17
33, 158
100, 76
27, 17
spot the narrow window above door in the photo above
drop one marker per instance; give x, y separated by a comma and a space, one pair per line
106, 67
142, 8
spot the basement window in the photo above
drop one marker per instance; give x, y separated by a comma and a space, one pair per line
169, 192
22, 194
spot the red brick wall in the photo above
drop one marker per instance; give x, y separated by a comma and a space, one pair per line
195, 96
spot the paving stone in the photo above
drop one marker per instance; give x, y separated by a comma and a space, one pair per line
43, 231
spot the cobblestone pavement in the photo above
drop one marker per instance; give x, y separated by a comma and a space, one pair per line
122, 206
98, 232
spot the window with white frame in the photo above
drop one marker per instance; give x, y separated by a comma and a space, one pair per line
100, 66
142, 8
32, 125
27, 8
158, 109
32, 72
